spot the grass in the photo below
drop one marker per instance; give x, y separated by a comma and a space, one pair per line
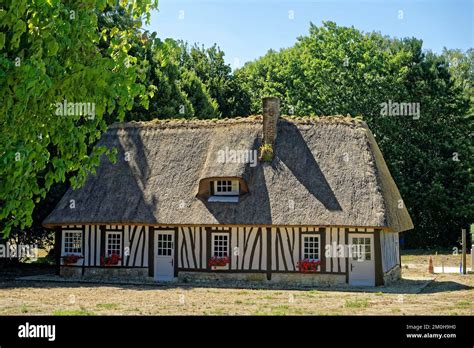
73, 312
107, 305
357, 303
448, 294
464, 303
268, 297
280, 310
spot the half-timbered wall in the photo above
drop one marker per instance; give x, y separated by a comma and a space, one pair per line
192, 248
390, 250
92, 245
286, 250
134, 244
248, 248
335, 237
251, 249
136, 240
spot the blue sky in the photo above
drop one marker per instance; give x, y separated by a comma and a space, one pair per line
247, 29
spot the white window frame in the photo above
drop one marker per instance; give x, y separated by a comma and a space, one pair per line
107, 234
213, 246
359, 254
165, 245
219, 184
69, 234
303, 253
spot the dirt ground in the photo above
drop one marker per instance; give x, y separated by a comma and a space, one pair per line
447, 294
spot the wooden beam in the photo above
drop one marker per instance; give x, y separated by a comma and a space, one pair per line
58, 236
151, 251
464, 246
378, 258
385, 228
269, 253
102, 242
175, 257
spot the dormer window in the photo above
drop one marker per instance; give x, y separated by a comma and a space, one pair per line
226, 187
225, 190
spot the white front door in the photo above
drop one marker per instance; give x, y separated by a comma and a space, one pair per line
361, 262
164, 255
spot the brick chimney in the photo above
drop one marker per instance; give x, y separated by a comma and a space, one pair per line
271, 113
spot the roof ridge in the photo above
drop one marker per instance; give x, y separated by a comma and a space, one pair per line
253, 119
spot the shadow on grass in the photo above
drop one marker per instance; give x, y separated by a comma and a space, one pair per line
404, 286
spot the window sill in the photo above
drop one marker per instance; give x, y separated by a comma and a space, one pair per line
216, 268
224, 199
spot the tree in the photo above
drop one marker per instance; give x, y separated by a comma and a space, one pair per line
56, 87
339, 70
209, 66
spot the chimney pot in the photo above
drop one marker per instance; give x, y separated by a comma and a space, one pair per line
271, 113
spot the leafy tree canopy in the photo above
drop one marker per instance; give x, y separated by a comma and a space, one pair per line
340, 70
49, 56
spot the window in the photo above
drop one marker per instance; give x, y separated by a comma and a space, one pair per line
113, 243
311, 247
165, 244
72, 242
220, 244
226, 187
361, 249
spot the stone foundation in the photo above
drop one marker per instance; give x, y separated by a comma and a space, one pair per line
110, 273
321, 279
241, 279
393, 275
295, 279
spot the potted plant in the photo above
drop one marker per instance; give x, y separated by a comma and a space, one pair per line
308, 265
71, 259
218, 262
111, 260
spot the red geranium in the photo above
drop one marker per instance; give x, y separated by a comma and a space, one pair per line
307, 265
218, 261
70, 259
111, 260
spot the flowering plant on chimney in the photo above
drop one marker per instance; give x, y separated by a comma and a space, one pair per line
266, 153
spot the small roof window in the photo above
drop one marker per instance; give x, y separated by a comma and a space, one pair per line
225, 190
226, 187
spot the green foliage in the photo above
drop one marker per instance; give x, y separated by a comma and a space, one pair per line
203, 104
93, 52
356, 303
209, 66
48, 54
338, 70
266, 153
186, 82
73, 312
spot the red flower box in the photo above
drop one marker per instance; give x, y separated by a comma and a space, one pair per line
218, 261
110, 260
70, 259
308, 266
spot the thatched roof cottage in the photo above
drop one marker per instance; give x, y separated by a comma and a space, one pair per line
191, 199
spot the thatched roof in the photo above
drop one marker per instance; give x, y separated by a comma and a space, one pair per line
326, 171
